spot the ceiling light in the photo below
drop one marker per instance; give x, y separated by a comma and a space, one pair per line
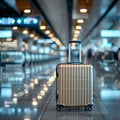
47, 32
78, 27
83, 10
15, 95
76, 31
32, 35
51, 35
26, 11
15, 28
57, 41
75, 35
80, 21
25, 31
36, 38
42, 27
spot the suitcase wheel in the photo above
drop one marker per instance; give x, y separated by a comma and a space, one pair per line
58, 107
88, 108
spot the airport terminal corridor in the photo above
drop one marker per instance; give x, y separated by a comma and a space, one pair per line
36, 36
35, 98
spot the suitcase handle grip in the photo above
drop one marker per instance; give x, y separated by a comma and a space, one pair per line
69, 50
74, 42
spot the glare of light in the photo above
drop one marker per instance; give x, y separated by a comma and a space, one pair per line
13, 21
76, 35
25, 31
51, 79
20, 79
15, 95
110, 94
76, 31
15, 28
36, 38
80, 21
6, 104
45, 85
32, 35
19, 21
45, 89
23, 49
15, 100
26, 91
35, 110
78, 27
49, 84
26, 110
36, 81
23, 43
19, 110
13, 110
74, 39
43, 27
110, 33
34, 102
57, 41
105, 42
47, 32
32, 85
35, 21
26, 118
25, 85
83, 10
42, 92
51, 35
9, 39
39, 97
26, 11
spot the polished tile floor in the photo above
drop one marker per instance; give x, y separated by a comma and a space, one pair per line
33, 98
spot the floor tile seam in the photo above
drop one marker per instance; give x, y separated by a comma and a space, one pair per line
102, 106
45, 106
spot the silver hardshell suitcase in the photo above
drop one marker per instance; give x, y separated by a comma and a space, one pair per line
74, 84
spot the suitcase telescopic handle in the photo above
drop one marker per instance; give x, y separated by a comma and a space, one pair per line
69, 50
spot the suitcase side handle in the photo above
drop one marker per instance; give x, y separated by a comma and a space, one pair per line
69, 50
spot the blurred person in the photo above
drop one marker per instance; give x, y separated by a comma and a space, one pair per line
118, 54
89, 56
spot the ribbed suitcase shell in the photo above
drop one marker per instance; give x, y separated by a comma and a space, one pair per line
74, 84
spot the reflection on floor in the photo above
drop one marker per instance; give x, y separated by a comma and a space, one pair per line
34, 97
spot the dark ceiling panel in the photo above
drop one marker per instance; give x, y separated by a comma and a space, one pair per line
56, 11
6, 10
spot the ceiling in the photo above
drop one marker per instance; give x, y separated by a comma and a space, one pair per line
60, 16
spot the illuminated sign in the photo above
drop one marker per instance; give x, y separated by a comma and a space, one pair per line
5, 33
110, 33
19, 21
